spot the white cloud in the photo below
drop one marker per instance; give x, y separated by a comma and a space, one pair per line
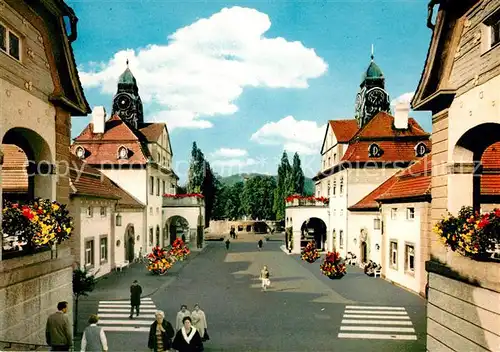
403, 98
229, 153
206, 65
301, 136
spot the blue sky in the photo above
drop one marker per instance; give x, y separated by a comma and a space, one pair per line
247, 79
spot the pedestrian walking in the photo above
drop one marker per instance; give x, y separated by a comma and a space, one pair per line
200, 322
58, 331
184, 312
94, 338
187, 339
259, 244
161, 334
135, 298
232, 233
227, 244
264, 276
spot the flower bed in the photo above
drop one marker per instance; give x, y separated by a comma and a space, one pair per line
38, 223
311, 199
186, 195
471, 234
159, 261
332, 266
310, 254
179, 250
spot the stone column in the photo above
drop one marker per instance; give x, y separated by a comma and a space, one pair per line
296, 241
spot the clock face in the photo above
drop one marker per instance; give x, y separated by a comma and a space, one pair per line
123, 101
375, 101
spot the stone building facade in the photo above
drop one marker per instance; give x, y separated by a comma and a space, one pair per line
40, 91
460, 85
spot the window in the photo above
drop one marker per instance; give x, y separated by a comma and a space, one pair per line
341, 212
10, 43
490, 32
334, 186
157, 210
118, 221
410, 213
324, 164
394, 213
159, 158
151, 235
150, 210
328, 190
410, 258
151, 185
329, 161
394, 255
103, 212
163, 186
89, 253
157, 186
341, 238
334, 236
341, 190
376, 224
334, 212
157, 235
104, 249
90, 212
334, 158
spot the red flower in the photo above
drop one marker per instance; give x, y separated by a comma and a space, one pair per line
27, 212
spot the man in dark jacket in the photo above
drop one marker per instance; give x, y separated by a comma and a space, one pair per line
59, 332
135, 298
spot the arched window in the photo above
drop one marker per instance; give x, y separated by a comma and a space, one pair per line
341, 190
334, 186
122, 153
80, 152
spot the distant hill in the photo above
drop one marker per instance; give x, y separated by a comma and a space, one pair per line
231, 180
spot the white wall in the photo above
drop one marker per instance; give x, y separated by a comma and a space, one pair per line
133, 181
136, 218
94, 228
403, 230
299, 215
365, 221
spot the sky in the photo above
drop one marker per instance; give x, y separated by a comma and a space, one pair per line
248, 79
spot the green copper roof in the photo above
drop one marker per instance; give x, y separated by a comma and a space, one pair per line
127, 77
373, 72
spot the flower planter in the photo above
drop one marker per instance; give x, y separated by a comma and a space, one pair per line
310, 260
335, 276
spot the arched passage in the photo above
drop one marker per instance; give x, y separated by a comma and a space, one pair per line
177, 226
28, 169
129, 245
313, 229
474, 157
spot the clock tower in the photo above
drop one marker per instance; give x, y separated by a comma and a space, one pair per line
127, 103
372, 97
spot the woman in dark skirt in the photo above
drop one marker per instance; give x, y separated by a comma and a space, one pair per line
160, 334
187, 338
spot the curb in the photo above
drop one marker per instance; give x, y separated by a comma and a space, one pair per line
169, 280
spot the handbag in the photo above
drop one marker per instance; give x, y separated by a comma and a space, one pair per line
205, 336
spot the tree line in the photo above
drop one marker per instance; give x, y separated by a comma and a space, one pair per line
257, 197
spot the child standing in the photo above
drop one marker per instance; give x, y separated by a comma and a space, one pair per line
264, 276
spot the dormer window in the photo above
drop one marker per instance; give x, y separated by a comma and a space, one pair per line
122, 153
421, 149
80, 152
374, 151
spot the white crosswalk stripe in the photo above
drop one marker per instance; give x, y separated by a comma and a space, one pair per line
114, 316
376, 323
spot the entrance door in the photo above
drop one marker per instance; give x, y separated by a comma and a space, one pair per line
363, 252
129, 248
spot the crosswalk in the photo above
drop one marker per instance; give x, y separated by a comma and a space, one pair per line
375, 322
114, 316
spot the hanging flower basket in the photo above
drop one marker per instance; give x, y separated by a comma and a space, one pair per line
310, 254
159, 261
332, 266
471, 234
38, 223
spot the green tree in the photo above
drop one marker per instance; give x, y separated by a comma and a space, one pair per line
297, 175
83, 284
283, 187
196, 170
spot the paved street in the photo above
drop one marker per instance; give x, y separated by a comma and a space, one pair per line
302, 311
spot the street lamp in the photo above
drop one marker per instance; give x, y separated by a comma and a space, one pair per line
118, 220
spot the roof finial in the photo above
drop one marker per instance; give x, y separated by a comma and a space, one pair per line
127, 62
372, 52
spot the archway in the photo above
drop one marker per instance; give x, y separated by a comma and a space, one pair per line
363, 246
178, 226
313, 229
129, 244
28, 162
474, 153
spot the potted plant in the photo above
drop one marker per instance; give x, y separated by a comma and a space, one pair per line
332, 266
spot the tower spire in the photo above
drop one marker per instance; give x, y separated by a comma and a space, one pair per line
127, 61
372, 53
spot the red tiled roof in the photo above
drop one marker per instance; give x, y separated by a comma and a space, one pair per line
344, 130
369, 201
382, 126
491, 157
152, 131
402, 151
14, 173
107, 153
114, 130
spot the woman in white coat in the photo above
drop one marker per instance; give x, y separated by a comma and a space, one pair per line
200, 322
184, 312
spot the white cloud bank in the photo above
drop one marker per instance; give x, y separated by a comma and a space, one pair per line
229, 153
403, 98
301, 136
206, 65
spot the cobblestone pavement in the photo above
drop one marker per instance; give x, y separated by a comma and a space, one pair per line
302, 311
